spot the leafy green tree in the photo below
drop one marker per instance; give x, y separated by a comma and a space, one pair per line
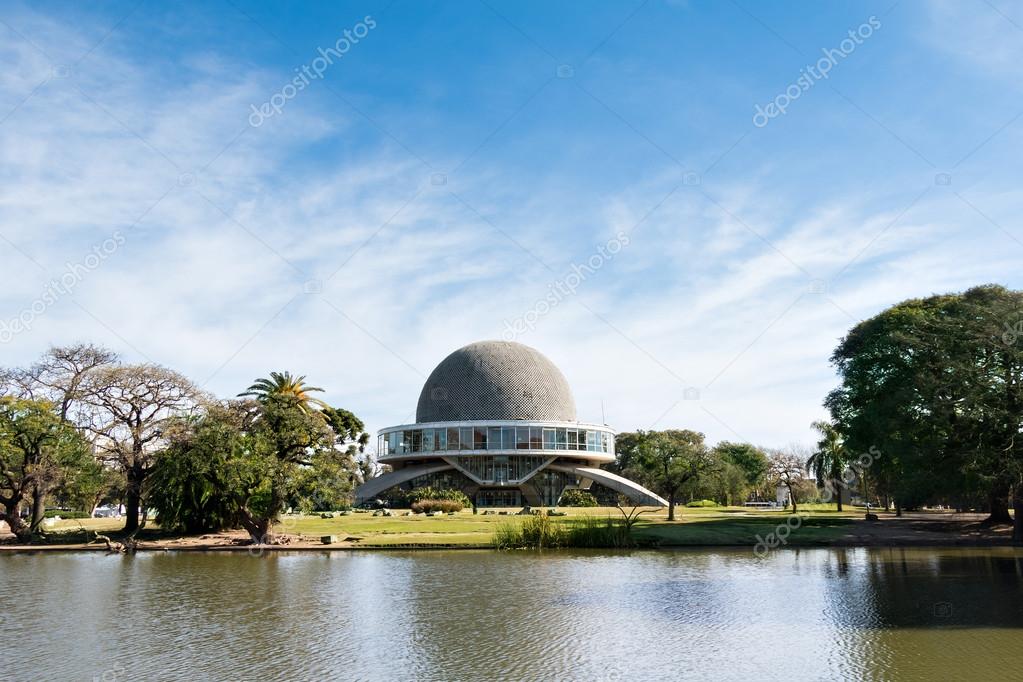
829, 460
935, 385
244, 462
196, 479
36, 447
89, 484
727, 484
665, 460
749, 458
59, 377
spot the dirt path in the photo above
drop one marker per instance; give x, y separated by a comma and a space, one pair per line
923, 528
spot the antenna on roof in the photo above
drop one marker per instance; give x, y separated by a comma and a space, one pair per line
603, 419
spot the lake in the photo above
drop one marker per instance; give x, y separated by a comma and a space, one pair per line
483, 615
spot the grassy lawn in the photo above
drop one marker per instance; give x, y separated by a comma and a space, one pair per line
698, 526
694, 526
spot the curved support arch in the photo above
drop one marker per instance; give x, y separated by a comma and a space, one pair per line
375, 486
619, 484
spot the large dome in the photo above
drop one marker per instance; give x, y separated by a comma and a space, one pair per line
492, 380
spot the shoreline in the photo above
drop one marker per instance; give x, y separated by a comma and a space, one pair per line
704, 531
308, 546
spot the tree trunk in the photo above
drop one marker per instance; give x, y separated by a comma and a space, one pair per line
671, 506
14, 522
132, 499
258, 529
838, 491
38, 507
898, 508
998, 505
1017, 508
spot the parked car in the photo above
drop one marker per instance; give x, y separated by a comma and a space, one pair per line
107, 511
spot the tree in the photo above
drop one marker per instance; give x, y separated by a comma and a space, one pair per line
88, 484
936, 384
130, 407
35, 448
58, 377
193, 481
749, 458
284, 384
787, 470
243, 462
727, 484
666, 460
828, 461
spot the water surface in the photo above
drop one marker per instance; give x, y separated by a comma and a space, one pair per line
479, 615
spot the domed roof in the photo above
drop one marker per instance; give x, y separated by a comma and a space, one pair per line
490, 380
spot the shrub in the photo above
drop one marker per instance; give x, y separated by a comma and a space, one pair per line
574, 497
702, 503
65, 514
428, 493
430, 506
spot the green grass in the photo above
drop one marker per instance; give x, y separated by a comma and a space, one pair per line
693, 526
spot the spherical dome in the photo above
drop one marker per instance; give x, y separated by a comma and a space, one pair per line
490, 380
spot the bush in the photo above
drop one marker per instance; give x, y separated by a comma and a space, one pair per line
574, 497
427, 493
702, 503
430, 506
64, 514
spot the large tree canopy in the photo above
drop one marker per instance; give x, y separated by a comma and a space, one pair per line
244, 462
935, 385
37, 449
665, 461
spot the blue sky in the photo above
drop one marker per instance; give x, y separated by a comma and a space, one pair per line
461, 161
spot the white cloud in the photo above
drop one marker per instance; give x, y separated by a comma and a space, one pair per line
219, 295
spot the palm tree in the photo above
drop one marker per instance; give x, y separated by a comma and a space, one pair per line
828, 461
284, 384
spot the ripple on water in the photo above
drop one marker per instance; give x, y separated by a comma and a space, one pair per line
807, 614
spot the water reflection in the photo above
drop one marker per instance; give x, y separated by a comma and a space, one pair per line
799, 614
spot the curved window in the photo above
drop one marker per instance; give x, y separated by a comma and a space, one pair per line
493, 438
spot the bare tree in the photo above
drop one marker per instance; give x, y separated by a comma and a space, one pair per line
60, 375
788, 469
130, 406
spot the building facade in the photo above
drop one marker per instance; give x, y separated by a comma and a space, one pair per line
497, 420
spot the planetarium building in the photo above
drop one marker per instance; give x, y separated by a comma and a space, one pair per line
497, 420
